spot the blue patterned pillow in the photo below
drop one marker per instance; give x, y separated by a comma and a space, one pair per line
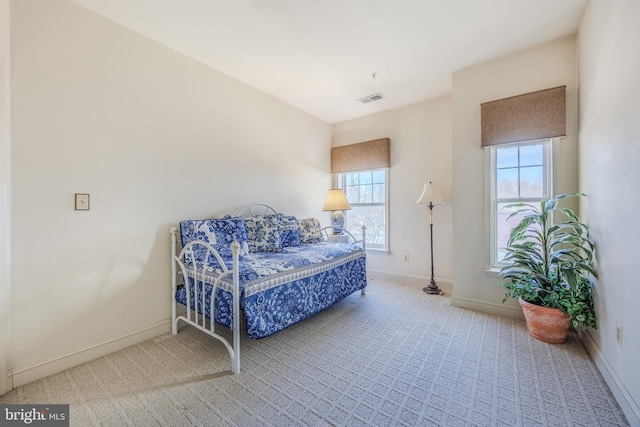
289, 235
199, 229
309, 230
263, 233
219, 233
196, 230
227, 230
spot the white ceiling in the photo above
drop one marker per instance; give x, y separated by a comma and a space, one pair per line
319, 55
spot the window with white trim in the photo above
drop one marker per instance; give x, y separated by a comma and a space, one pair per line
368, 194
520, 173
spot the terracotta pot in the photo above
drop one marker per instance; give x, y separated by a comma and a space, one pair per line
546, 324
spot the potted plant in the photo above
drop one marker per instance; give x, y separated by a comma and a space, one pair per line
549, 257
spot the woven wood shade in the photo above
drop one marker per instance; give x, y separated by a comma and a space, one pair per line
535, 115
365, 155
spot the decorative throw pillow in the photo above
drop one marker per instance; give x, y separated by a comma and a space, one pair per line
289, 235
263, 233
191, 230
197, 229
309, 230
227, 230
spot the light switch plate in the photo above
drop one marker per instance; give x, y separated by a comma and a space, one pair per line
82, 202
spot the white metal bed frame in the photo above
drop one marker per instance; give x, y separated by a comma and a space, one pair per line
199, 321
192, 317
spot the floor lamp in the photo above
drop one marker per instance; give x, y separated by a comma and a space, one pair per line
431, 196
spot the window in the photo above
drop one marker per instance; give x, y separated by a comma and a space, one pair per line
520, 173
368, 195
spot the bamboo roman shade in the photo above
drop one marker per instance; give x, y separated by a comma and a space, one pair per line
535, 115
365, 155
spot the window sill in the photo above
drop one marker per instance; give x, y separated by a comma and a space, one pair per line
380, 251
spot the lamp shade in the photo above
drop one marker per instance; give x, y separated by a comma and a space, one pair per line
336, 201
430, 194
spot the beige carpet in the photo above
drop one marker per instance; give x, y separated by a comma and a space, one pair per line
396, 357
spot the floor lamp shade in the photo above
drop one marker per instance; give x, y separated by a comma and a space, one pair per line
430, 194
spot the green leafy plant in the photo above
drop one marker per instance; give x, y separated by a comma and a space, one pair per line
549, 263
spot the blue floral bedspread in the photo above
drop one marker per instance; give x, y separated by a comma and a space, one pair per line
279, 289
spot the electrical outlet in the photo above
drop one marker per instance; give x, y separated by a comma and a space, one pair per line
405, 257
619, 334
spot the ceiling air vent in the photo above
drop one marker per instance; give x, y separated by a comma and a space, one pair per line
371, 98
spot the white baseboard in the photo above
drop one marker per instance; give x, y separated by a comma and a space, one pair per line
487, 307
421, 281
624, 399
59, 363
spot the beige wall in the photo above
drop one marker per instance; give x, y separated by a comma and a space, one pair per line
155, 138
610, 173
5, 152
420, 152
534, 69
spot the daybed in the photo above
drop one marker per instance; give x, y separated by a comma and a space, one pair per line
276, 269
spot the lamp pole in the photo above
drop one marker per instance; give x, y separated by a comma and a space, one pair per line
430, 196
433, 287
